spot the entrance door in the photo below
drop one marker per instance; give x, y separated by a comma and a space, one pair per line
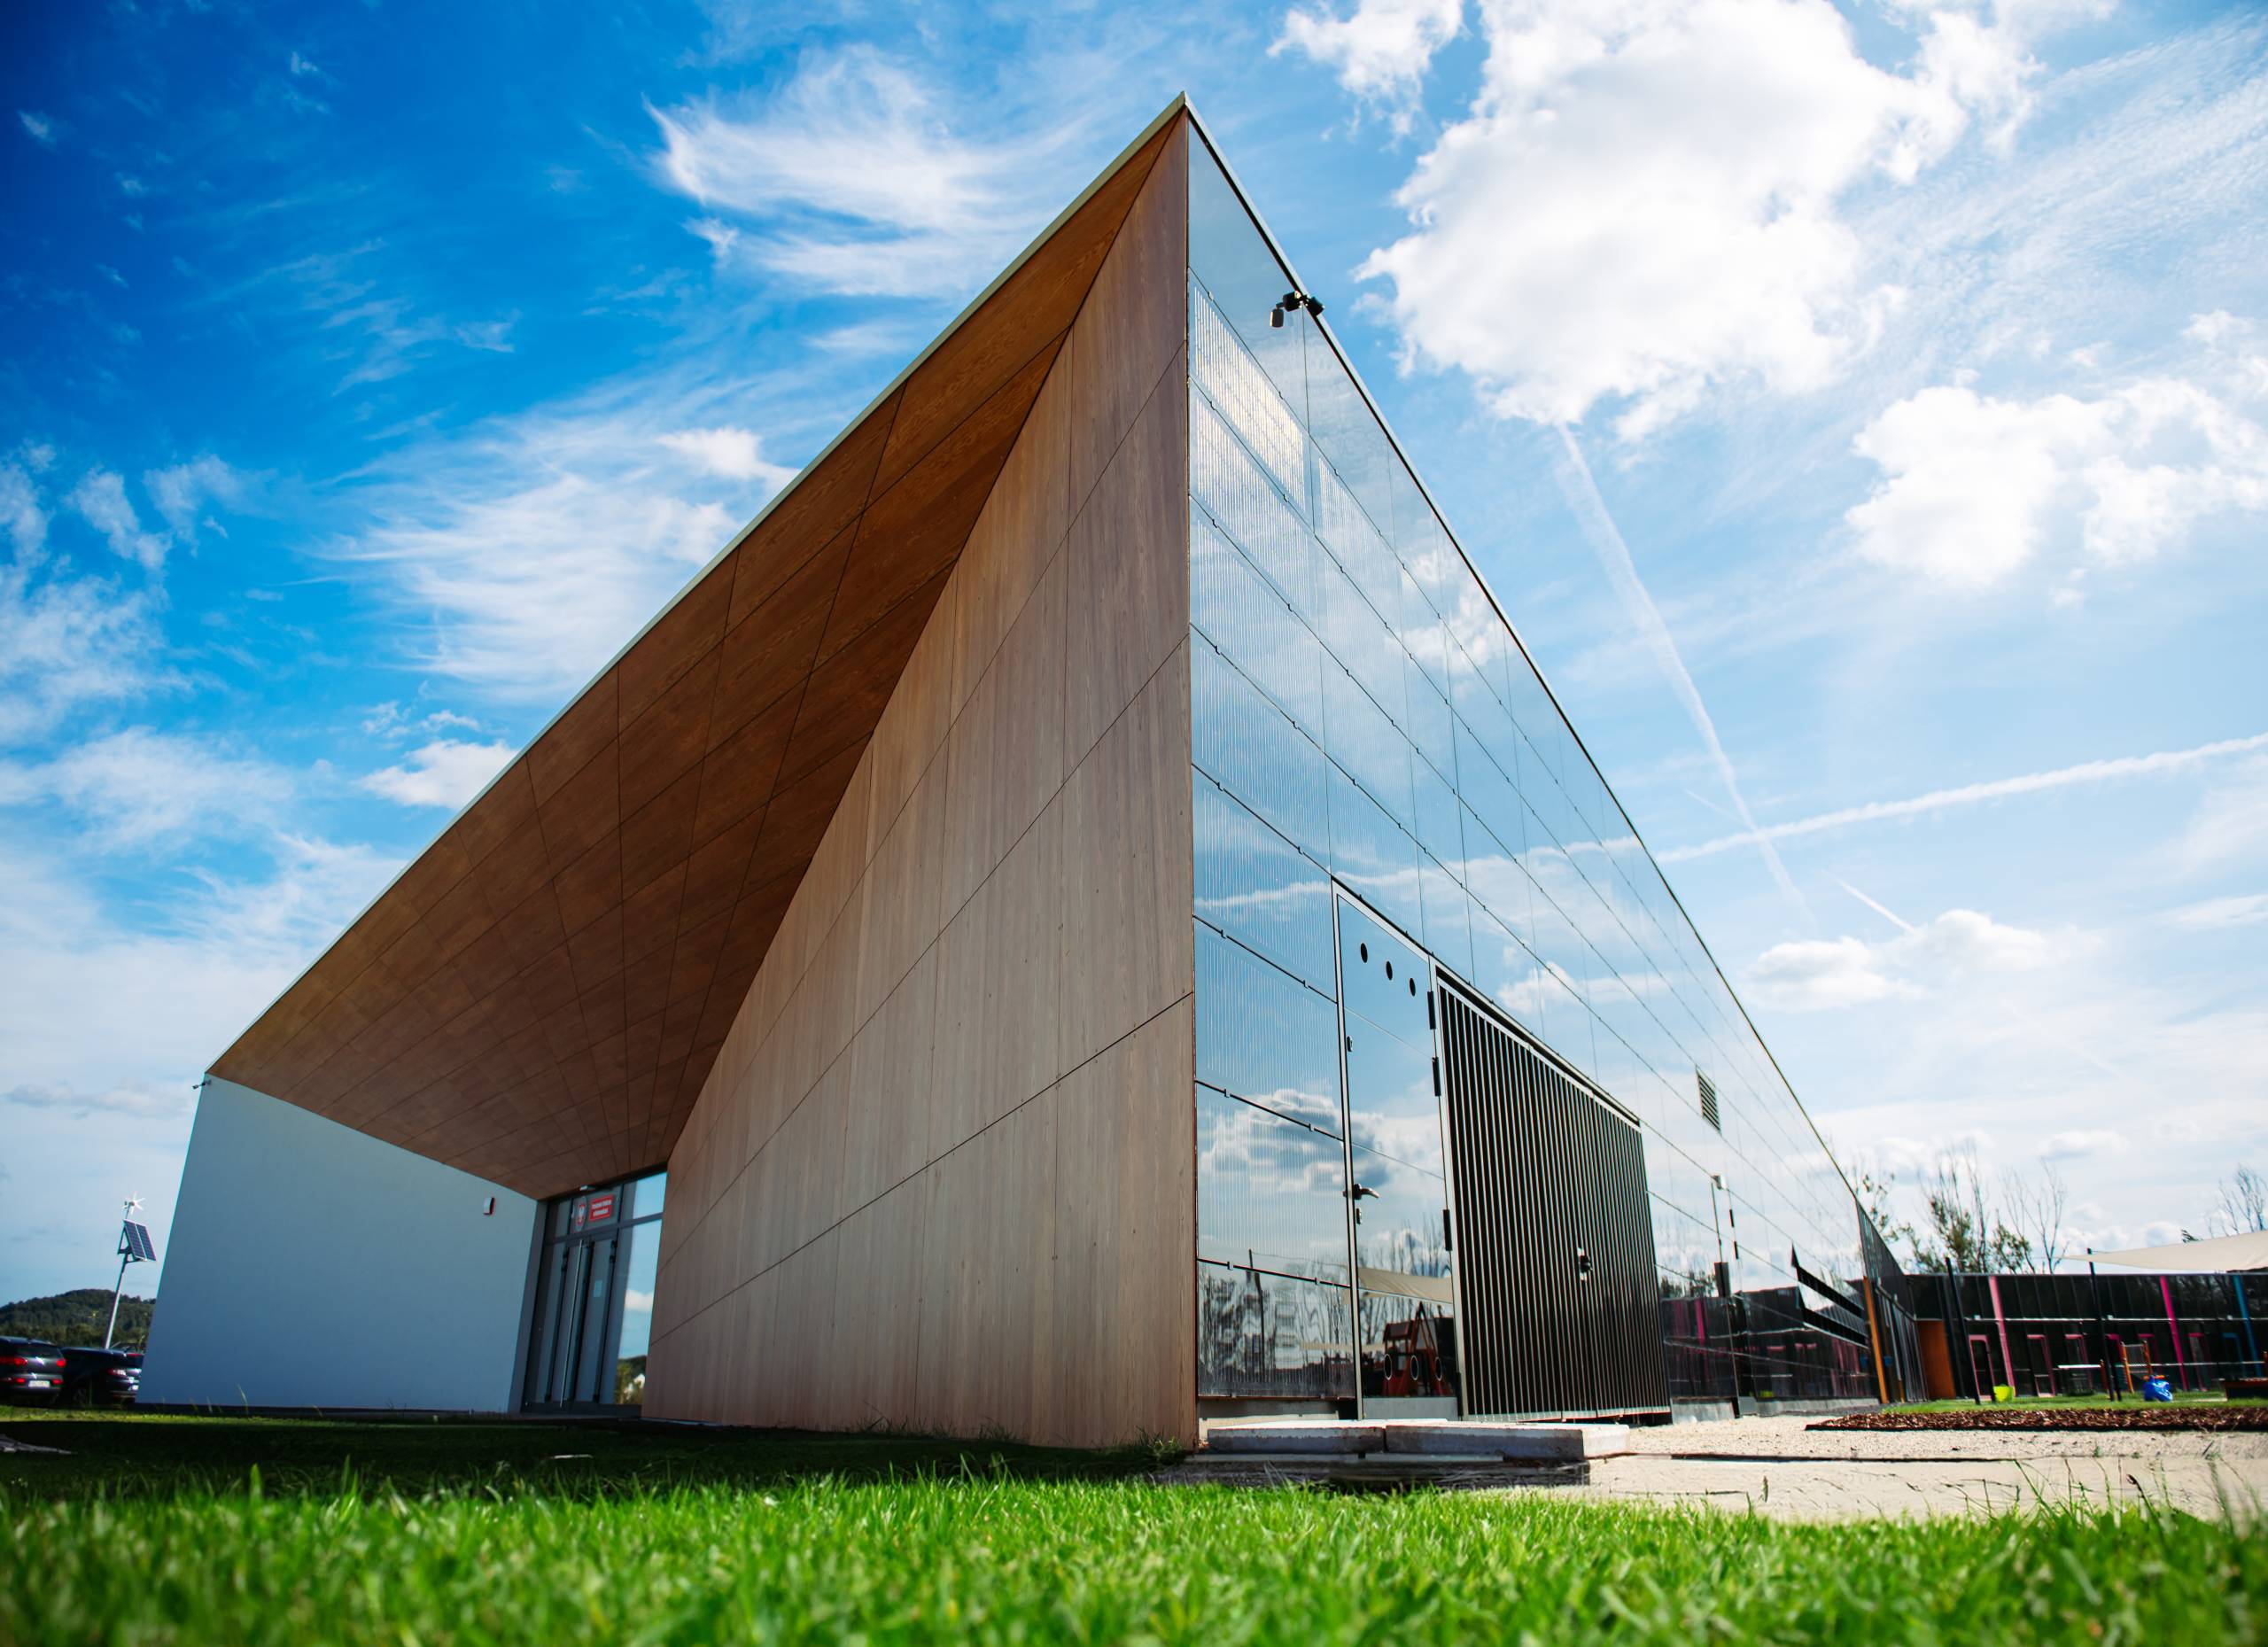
569, 1361
1398, 1198
587, 1340
1555, 1238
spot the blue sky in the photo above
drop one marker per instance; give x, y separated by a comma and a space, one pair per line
1863, 413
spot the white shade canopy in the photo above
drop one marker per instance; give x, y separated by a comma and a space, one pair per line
2224, 1251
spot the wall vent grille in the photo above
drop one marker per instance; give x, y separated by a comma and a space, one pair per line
1708, 1101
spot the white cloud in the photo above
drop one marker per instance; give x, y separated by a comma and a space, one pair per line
120, 1100
2163, 763
66, 641
2230, 821
532, 586
444, 772
98, 1006
2246, 909
2081, 1143
1644, 199
735, 454
1812, 974
144, 788
22, 511
1381, 51
860, 183
100, 498
183, 491
1815, 972
529, 550
1974, 486
41, 127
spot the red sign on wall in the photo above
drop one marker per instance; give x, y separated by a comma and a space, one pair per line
601, 1208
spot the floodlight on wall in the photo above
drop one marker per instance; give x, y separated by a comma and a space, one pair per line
1291, 303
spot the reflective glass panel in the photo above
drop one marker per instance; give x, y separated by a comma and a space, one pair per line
1364, 642
1382, 978
1254, 885
1428, 721
1442, 903
1401, 1228
1228, 254
1369, 852
1440, 821
645, 1244
1231, 487
1263, 1035
1245, 744
1234, 608
1262, 1335
1348, 436
1409, 1353
1366, 744
1269, 1192
1391, 1106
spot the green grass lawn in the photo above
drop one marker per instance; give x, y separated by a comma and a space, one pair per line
183, 1531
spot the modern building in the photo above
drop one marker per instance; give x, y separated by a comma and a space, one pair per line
2040, 1334
1100, 922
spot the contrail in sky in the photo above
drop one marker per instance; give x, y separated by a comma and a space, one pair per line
2163, 762
1605, 538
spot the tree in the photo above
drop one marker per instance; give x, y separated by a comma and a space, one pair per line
1962, 1228
2037, 1205
2243, 1207
78, 1317
1876, 1184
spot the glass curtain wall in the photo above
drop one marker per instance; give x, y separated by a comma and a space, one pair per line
1361, 713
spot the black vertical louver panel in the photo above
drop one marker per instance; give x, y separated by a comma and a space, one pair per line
1708, 1091
1555, 1235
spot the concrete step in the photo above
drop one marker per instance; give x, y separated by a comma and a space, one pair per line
1441, 1438
1374, 1473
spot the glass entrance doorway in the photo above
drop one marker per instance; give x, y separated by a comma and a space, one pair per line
1398, 1199
595, 1297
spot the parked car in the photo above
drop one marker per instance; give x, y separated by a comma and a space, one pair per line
31, 1370
104, 1378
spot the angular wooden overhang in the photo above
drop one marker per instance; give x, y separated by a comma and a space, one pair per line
539, 996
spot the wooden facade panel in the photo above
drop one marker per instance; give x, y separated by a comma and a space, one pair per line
1127, 855
1129, 610
1126, 336
945, 1149
1006, 747
1126, 1228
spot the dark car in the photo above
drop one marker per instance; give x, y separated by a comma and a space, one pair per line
30, 1371
104, 1378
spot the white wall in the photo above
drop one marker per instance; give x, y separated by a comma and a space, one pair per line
311, 1265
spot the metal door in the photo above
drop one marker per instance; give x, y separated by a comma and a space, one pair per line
1561, 1298
572, 1360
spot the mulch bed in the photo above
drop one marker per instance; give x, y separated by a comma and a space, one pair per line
2136, 1417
